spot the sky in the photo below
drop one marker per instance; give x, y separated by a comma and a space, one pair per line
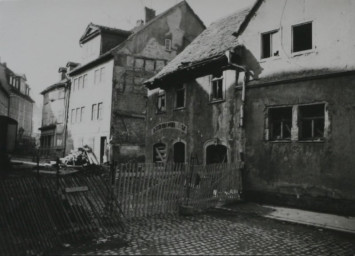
39, 36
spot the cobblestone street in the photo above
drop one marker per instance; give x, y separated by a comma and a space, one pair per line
221, 233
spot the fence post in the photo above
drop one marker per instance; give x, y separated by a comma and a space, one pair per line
37, 160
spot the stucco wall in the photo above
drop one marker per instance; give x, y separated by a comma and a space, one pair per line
205, 121
4, 104
90, 131
333, 38
296, 168
22, 111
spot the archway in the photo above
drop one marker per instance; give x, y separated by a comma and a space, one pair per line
179, 152
216, 154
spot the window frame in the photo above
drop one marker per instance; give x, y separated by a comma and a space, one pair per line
161, 95
168, 44
94, 112
100, 111
273, 33
181, 87
218, 81
293, 38
301, 120
270, 122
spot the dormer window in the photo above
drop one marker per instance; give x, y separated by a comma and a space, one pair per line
302, 37
168, 44
269, 46
217, 86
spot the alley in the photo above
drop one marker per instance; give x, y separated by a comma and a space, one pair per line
220, 233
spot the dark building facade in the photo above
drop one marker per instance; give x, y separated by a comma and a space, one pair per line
287, 112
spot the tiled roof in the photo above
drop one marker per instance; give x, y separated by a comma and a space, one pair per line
211, 43
98, 28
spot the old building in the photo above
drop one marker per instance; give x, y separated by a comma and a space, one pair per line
55, 114
108, 101
16, 103
280, 99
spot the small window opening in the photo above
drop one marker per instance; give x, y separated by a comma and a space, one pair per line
280, 123
268, 45
311, 122
180, 96
217, 86
159, 153
161, 104
302, 37
168, 44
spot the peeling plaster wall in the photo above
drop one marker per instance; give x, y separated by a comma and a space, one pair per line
298, 169
140, 57
333, 38
205, 121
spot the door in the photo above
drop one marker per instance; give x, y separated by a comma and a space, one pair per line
103, 145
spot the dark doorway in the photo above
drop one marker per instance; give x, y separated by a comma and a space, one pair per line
216, 154
102, 149
179, 152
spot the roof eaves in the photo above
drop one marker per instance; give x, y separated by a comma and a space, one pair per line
106, 56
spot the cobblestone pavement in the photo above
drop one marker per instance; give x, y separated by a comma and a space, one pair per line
223, 234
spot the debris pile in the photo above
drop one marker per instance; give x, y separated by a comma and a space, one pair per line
83, 156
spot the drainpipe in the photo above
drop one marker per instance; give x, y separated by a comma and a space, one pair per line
241, 120
66, 113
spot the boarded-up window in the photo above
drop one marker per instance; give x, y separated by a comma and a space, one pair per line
159, 153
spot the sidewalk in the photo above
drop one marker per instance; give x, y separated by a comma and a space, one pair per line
323, 220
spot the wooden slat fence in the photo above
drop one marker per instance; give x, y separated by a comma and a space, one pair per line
39, 213
149, 189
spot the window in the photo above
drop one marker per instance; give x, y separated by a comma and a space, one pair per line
311, 122
96, 76
75, 83
59, 140
180, 97
82, 111
280, 123
72, 116
161, 104
302, 37
93, 112
168, 44
217, 86
102, 74
268, 44
85, 79
77, 113
159, 153
99, 111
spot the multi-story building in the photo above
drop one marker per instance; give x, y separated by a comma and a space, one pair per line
54, 114
108, 100
278, 95
15, 101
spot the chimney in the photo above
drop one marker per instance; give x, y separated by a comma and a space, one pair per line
71, 65
63, 72
149, 14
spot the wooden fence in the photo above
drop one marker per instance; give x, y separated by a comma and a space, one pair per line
149, 189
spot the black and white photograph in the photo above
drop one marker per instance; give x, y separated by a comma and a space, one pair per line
177, 127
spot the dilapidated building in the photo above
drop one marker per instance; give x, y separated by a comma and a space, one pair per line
278, 97
108, 100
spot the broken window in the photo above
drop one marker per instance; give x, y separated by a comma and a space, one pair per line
280, 123
268, 44
99, 111
311, 122
217, 86
302, 37
168, 44
180, 97
161, 104
93, 111
159, 153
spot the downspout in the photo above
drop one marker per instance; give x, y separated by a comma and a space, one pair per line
66, 107
242, 115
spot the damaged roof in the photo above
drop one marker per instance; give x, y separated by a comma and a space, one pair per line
60, 84
212, 43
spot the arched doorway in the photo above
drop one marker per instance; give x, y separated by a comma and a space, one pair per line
159, 153
179, 152
216, 154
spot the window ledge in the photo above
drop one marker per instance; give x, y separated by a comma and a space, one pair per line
305, 52
279, 141
160, 112
216, 101
263, 60
179, 109
312, 141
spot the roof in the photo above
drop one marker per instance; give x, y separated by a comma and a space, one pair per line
211, 43
93, 30
109, 54
60, 84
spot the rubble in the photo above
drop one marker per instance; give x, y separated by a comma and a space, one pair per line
83, 156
